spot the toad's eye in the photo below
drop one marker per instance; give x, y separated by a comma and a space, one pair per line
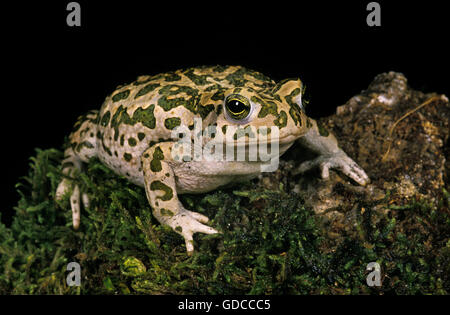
237, 106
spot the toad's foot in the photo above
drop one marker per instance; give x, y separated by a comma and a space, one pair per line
71, 164
65, 186
340, 162
186, 223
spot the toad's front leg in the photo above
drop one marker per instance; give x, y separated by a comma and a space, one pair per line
160, 187
331, 156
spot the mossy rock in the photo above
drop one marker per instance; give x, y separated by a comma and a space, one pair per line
270, 243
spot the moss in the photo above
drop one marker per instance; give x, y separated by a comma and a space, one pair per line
271, 243
132, 267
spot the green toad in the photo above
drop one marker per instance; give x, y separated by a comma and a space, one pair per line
137, 129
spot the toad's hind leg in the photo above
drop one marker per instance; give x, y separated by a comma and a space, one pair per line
160, 187
82, 148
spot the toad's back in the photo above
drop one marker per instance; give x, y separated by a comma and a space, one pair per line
137, 115
184, 88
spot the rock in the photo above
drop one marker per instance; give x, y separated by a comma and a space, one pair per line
398, 136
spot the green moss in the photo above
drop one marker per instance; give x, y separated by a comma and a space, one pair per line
270, 243
132, 267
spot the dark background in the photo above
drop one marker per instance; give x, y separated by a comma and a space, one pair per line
54, 72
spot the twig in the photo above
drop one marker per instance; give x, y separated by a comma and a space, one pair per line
428, 101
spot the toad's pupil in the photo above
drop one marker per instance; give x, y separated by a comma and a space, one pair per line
236, 106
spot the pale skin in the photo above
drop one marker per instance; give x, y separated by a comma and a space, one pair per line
131, 134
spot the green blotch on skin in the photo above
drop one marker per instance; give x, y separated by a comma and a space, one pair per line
105, 119
322, 130
81, 119
179, 229
197, 79
166, 212
99, 135
145, 116
121, 96
127, 157
141, 136
158, 156
205, 110
296, 115
281, 120
237, 90
277, 97
158, 185
95, 114
264, 132
171, 77
237, 78
308, 123
132, 142
189, 101
83, 132
219, 109
259, 76
294, 111
172, 122
107, 150
278, 86
213, 87
220, 69
219, 95
84, 144
122, 139
267, 107
224, 129
146, 89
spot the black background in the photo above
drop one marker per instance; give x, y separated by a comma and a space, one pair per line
54, 72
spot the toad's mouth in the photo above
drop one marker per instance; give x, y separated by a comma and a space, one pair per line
262, 141
273, 147
235, 150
